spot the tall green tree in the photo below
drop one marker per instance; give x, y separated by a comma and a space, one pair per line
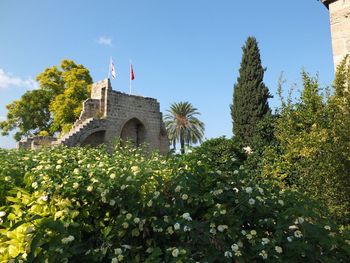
54, 106
182, 124
250, 94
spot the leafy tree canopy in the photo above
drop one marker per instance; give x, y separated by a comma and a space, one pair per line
66, 106
54, 106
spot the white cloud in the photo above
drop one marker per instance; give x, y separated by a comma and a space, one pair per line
105, 41
8, 80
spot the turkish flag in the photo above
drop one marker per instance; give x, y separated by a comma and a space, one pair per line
132, 76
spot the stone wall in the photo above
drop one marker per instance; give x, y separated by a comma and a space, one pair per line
36, 142
91, 109
339, 12
129, 115
42, 141
99, 92
94, 139
109, 115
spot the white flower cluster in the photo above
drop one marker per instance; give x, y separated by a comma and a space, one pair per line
222, 228
299, 220
177, 226
278, 249
217, 192
170, 230
248, 150
184, 197
67, 240
187, 216
35, 185
263, 254
228, 254
235, 248
265, 241
249, 190
175, 252
187, 229
251, 201
297, 232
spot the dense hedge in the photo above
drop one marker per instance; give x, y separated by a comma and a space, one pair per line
88, 205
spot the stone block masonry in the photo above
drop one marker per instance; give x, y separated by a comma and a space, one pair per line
339, 13
110, 114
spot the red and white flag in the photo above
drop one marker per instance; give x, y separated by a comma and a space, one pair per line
132, 76
112, 68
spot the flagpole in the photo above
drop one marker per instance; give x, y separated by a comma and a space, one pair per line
109, 67
130, 77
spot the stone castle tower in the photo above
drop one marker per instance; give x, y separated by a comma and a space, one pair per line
339, 12
108, 115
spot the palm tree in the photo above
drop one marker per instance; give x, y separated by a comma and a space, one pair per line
182, 124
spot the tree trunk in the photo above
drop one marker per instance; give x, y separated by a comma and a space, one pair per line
182, 143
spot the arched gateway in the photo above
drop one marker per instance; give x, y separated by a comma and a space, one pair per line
133, 130
109, 115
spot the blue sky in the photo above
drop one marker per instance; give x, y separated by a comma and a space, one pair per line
181, 50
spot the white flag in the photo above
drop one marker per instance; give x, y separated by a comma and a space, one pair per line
112, 69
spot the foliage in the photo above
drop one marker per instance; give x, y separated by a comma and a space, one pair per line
88, 205
313, 149
182, 124
54, 106
66, 107
221, 153
250, 94
263, 139
28, 115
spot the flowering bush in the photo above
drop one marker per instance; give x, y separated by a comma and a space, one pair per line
88, 205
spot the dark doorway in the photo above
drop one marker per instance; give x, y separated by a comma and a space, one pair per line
94, 139
133, 131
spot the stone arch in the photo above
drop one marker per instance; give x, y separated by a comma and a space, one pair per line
133, 130
94, 138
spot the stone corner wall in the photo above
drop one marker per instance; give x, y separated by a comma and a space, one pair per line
36, 142
339, 12
98, 88
91, 109
24, 143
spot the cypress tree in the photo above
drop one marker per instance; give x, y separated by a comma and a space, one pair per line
250, 94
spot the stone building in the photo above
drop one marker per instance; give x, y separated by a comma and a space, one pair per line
339, 13
109, 115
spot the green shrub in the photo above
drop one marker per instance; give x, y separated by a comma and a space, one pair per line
87, 205
221, 154
312, 152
